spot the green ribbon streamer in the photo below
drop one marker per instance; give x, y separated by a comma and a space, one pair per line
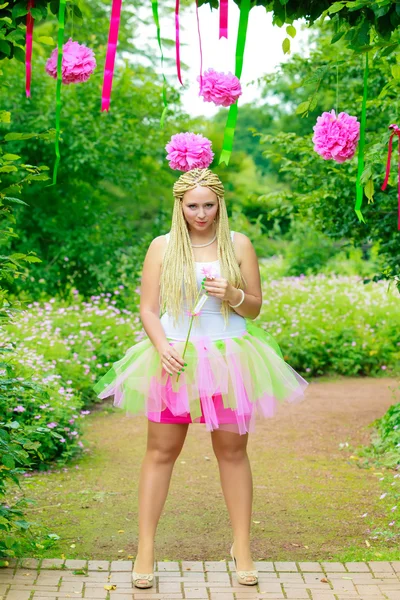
233, 110
60, 42
359, 187
154, 6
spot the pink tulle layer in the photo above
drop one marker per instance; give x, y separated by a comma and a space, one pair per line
226, 384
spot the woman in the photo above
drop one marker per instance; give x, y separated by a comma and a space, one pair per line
230, 370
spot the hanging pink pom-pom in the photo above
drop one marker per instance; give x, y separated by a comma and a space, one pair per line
221, 88
336, 137
78, 63
188, 151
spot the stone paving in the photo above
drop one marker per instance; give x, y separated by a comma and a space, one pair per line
57, 579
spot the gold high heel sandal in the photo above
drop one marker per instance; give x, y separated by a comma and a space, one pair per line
142, 580
243, 576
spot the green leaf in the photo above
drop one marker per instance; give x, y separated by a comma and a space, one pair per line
366, 174
337, 36
36, 14
4, 5
15, 200
37, 177
13, 137
19, 54
5, 47
286, 46
77, 11
16, 36
19, 10
54, 6
290, 30
336, 6
11, 157
313, 103
8, 461
5, 116
9, 541
395, 69
369, 190
303, 107
32, 259
8, 169
45, 39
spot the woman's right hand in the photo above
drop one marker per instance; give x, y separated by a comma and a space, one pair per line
176, 362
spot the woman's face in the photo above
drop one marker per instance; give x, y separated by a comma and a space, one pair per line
200, 205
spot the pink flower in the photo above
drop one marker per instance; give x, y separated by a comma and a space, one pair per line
220, 88
209, 272
187, 151
336, 137
52, 425
78, 63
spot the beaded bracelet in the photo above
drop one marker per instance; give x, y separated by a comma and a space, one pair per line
239, 303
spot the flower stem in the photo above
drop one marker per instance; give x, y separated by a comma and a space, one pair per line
190, 328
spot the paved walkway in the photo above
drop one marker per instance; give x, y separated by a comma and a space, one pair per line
56, 579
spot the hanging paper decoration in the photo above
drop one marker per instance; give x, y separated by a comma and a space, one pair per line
28, 49
230, 126
220, 88
78, 63
395, 131
110, 54
188, 151
60, 40
223, 19
177, 43
201, 51
359, 187
336, 137
154, 6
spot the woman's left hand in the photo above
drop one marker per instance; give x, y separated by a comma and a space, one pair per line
219, 287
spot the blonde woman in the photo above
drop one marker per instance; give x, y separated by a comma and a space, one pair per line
231, 370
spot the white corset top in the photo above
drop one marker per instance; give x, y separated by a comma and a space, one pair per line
210, 321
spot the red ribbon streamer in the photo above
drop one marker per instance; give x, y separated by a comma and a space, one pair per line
223, 19
177, 44
110, 56
201, 52
28, 49
396, 131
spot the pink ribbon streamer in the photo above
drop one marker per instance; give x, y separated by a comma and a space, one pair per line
177, 44
223, 19
110, 56
201, 52
28, 49
396, 131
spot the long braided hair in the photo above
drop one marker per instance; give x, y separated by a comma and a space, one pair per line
179, 262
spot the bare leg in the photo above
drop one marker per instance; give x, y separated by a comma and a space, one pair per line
164, 444
237, 486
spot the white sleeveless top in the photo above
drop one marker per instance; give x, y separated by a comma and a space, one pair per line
210, 321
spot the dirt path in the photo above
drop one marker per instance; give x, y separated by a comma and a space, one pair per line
308, 494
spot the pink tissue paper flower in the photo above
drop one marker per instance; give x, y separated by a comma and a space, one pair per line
187, 151
221, 88
209, 272
336, 137
78, 63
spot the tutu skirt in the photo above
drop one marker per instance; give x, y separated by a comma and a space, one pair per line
226, 382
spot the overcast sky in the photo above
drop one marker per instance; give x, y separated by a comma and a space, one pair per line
263, 51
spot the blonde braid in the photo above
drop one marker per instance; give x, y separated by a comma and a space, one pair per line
179, 262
